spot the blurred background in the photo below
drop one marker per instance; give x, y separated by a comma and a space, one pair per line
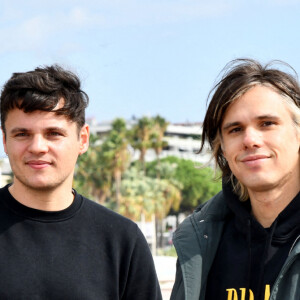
148, 67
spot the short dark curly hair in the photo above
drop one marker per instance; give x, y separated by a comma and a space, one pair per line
42, 89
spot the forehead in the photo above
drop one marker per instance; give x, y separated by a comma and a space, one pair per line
258, 101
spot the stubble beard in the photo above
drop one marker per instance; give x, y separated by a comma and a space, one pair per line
48, 187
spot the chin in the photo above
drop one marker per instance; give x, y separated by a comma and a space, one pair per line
39, 185
259, 186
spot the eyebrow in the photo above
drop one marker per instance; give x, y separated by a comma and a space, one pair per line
262, 117
23, 129
231, 124
18, 129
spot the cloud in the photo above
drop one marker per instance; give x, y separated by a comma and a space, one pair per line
36, 32
38, 25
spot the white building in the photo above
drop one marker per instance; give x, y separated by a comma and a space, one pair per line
183, 140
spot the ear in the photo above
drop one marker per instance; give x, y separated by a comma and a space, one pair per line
4, 140
84, 136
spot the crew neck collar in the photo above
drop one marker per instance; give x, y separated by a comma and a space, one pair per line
41, 215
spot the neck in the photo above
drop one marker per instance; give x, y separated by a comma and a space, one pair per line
266, 206
48, 200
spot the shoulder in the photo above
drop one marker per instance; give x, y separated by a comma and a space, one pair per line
4, 190
107, 221
116, 232
103, 211
213, 210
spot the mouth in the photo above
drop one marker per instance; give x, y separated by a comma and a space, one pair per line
253, 160
38, 164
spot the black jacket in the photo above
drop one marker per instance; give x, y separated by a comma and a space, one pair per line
197, 241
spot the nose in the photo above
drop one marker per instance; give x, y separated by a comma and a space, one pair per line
38, 144
252, 138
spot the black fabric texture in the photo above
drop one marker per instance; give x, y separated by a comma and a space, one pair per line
250, 256
83, 252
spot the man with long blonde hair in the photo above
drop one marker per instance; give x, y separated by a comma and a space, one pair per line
244, 242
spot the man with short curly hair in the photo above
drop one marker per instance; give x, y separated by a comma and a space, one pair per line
55, 243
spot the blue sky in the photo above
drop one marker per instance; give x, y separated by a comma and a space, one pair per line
142, 57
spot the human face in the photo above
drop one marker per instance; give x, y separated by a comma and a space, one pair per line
43, 148
260, 141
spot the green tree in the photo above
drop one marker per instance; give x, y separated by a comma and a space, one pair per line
115, 156
103, 164
141, 137
92, 177
146, 195
157, 143
150, 198
198, 184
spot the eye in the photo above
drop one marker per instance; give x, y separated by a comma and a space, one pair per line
268, 123
54, 134
235, 129
21, 134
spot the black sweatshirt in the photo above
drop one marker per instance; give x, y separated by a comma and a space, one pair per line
84, 252
250, 256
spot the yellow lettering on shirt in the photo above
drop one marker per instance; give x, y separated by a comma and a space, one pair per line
232, 294
267, 292
243, 294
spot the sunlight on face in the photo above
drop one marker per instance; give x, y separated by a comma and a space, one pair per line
260, 141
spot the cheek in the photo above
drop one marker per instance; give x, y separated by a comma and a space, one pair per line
286, 143
13, 150
68, 153
229, 150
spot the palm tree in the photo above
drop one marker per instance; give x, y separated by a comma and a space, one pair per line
141, 137
115, 154
91, 175
157, 135
146, 198
171, 189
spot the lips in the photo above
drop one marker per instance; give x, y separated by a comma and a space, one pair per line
38, 164
254, 160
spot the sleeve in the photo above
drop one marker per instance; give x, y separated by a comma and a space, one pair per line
178, 287
142, 282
